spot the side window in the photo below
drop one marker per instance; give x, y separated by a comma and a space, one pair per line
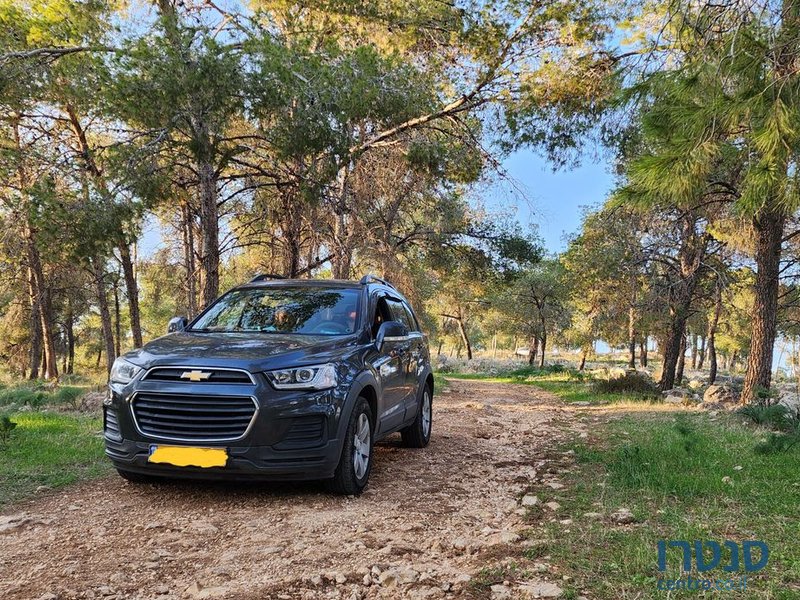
399, 313
382, 314
411, 318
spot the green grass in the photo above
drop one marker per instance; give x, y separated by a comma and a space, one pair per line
568, 384
49, 449
36, 395
669, 471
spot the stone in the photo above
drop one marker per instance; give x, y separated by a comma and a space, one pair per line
389, 578
272, 549
508, 537
552, 505
541, 589
529, 500
674, 399
407, 575
695, 384
48, 596
12, 523
203, 527
460, 543
594, 516
555, 485
679, 392
501, 592
623, 516
720, 394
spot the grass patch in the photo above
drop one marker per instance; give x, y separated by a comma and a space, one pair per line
568, 384
49, 449
685, 477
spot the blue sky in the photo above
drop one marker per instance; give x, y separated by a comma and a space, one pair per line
551, 201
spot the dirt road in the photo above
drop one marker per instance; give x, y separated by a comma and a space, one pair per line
429, 521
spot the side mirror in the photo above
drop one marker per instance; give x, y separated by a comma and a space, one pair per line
177, 324
390, 331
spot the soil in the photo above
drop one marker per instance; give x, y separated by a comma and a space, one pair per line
429, 521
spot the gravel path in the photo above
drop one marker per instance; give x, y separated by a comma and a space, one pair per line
428, 522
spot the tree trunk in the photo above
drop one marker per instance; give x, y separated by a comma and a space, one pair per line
70, 339
105, 314
701, 355
117, 322
681, 361
643, 352
711, 337
45, 305
190, 270
132, 291
544, 348
209, 233
35, 325
631, 338
769, 228
694, 351
584, 354
533, 350
465, 338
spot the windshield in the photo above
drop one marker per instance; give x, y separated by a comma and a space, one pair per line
311, 311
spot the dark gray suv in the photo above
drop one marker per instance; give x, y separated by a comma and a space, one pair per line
278, 379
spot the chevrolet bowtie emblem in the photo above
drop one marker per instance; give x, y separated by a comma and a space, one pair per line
195, 375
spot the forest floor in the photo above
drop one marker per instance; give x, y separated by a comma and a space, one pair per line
433, 523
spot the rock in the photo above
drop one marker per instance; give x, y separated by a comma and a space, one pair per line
555, 485
316, 580
425, 592
566, 521
679, 392
508, 537
594, 516
10, 523
460, 543
581, 403
695, 384
48, 596
720, 394
271, 549
530, 500
623, 516
407, 575
501, 592
389, 578
541, 589
552, 505
727, 480
203, 527
674, 399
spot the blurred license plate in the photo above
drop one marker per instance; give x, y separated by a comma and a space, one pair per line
188, 456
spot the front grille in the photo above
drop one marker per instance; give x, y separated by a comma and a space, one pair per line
211, 375
193, 418
111, 425
304, 432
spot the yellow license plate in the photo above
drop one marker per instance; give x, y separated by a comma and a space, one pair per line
187, 456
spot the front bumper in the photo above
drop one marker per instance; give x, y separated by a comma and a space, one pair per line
293, 435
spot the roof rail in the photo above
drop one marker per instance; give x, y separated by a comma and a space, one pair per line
370, 278
265, 276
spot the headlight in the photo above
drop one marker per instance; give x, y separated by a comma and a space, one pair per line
123, 371
317, 377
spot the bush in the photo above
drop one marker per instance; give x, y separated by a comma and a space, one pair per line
774, 416
6, 426
633, 382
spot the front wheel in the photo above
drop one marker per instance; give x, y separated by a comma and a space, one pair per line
352, 473
418, 434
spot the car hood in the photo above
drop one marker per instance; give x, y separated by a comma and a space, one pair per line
253, 352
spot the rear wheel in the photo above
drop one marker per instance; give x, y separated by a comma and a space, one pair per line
136, 477
352, 473
418, 434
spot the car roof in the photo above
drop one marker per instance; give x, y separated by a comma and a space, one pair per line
338, 283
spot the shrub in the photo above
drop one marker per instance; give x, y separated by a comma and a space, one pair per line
6, 426
633, 382
774, 416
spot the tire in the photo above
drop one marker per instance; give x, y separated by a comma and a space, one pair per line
418, 434
355, 464
136, 477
